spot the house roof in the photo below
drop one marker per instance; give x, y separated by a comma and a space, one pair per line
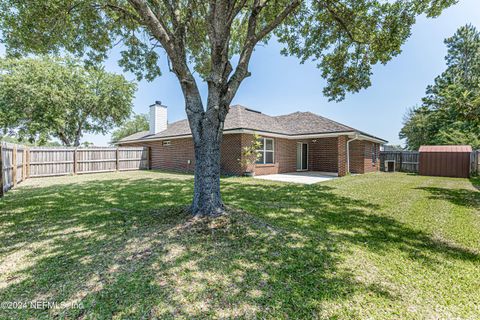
445, 149
242, 118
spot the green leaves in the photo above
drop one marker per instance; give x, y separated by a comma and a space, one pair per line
137, 124
345, 37
450, 112
250, 153
348, 37
52, 97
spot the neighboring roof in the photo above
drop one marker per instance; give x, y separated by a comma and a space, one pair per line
445, 149
239, 117
136, 136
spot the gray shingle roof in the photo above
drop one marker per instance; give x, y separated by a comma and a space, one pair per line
239, 117
307, 122
135, 136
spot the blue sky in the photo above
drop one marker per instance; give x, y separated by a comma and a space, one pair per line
281, 85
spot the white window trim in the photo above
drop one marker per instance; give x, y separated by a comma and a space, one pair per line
264, 150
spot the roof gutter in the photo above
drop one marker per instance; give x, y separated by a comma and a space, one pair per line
348, 152
373, 139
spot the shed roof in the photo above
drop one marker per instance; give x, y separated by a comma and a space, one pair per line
445, 149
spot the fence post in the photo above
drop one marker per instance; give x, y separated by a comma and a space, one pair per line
401, 161
1, 169
476, 167
24, 164
14, 163
117, 160
478, 162
75, 161
149, 158
27, 163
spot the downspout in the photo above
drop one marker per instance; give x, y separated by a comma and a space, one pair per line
348, 151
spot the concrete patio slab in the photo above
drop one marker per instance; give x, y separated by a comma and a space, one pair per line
309, 177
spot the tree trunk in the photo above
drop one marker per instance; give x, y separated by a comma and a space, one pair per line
63, 138
207, 200
77, 142
207, 133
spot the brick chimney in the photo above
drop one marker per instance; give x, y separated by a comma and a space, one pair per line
158, 117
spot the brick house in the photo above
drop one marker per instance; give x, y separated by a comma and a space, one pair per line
300, 141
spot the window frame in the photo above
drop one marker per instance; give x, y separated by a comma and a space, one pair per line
264, 151
374, 154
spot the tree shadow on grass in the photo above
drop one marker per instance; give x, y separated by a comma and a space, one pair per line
317, 211
127, 249
459, 197
475, 182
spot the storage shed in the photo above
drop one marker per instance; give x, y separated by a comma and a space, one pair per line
445, 161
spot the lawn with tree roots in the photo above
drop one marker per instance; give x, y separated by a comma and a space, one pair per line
121, 245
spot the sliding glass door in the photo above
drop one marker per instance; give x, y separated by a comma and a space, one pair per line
302, 156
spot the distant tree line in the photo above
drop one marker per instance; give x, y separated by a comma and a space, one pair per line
450, 111
49, 98
138, 123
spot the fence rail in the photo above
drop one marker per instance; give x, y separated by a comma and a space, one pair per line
19, 163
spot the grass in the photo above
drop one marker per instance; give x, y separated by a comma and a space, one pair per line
382, 246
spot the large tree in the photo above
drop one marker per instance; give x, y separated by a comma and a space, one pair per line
46, 97
216, 39
450, 111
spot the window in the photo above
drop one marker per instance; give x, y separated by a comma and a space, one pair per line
374, 154
166, 142
266, 151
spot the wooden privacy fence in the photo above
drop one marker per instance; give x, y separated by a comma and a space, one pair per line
475, 162
406, 161
19, 163
12, 160
478, 162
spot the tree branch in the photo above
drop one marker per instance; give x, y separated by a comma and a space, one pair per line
236, 10
220, 18
174, 46
277, 21
241, 72
329, 7
154, 24
120, 10
173, 16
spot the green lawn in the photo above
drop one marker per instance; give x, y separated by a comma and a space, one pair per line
380, 246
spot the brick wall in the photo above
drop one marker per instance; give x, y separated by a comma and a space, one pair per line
368, 164
361, 156
180, 154
326, 154
284, 156
323, 155
357, 156
342, 155
173, 157
231, 154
